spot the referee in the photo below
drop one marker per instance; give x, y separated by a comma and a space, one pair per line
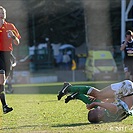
8, 35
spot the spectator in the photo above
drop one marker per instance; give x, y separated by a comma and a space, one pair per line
66, 60
59, 60
127, 47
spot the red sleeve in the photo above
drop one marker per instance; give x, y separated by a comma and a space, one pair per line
15, 31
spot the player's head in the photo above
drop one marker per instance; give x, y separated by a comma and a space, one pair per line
129, 34
2, 12
95, 115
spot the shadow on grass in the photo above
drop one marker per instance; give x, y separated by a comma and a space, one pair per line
34, 126
20, 127
71, 125
78, 124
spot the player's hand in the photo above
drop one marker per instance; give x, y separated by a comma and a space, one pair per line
90, 106
91, 98
10, 33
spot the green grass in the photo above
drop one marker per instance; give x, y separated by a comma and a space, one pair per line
42, 113
52, 88
37, 110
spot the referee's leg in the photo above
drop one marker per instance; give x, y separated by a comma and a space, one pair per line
6, 109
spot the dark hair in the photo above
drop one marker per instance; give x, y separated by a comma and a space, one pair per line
129, 32
93, 116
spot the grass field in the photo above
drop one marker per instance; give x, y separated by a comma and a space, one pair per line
42, 113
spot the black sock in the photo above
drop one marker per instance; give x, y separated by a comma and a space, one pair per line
2, 95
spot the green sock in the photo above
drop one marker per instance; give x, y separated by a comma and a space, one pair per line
85, 99
80, 89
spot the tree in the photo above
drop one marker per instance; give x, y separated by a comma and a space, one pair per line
61, 21
65, 21
97, 23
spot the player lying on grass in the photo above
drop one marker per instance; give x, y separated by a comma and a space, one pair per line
110, 112
119, 93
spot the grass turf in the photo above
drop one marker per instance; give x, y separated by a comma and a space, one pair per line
42, 113
53, 88
36, 110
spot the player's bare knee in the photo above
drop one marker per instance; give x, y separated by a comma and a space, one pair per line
95, 94
99, 97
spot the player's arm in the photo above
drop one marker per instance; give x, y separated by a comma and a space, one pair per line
15, 40
123, 45
14, 37
109, 106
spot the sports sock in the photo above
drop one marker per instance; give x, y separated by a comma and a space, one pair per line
85, 99
80, 89
2, 95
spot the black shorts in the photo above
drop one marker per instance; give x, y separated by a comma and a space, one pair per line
6, 61
129, 65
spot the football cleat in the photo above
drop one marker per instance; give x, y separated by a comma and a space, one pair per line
7, 109
63, 91
71, 97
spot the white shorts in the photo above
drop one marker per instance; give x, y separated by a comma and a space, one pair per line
125, 69
121, 105
123, 88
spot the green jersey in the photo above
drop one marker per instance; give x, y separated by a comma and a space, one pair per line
122, 113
